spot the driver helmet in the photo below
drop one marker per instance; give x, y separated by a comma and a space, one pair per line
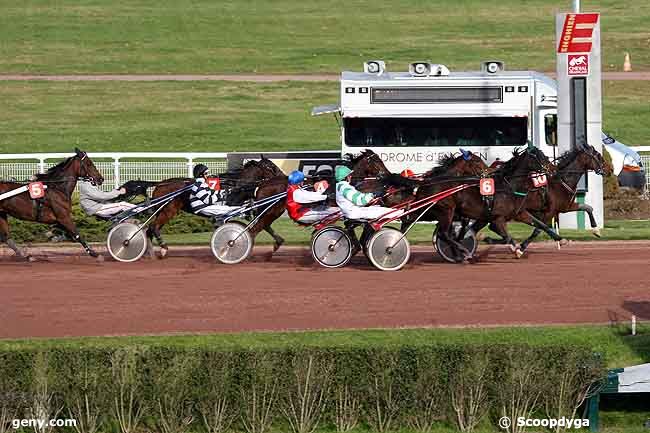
296, 177
200, 170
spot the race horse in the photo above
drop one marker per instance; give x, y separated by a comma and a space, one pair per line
371, 175
55, 208
256, 180
559, 195
512, 187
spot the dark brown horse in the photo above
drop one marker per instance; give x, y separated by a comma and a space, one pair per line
508, 202
559, 196
55, 208
255, 180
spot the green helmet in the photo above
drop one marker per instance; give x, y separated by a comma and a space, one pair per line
341, 173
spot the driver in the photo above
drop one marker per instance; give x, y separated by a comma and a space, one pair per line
353, 203
205, 200
96, 202
299, 200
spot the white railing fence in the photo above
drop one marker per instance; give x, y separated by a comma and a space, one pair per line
116, 168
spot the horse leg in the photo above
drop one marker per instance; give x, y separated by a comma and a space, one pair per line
153, 232
279, 240
65, 221
4, 237
530, 238
574, 207
264, 223
531, 220
500, 227
445, 224
493, 241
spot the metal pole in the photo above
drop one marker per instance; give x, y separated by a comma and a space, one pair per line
576, 6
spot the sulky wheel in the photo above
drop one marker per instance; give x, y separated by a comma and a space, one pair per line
388, 249
231, 243
446, 251
127, 241
331, 247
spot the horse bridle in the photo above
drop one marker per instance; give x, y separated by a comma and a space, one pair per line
83, 172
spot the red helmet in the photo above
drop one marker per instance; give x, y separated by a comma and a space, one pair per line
407, 173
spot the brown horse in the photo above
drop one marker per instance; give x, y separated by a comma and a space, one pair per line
255, 180
508, 202
560, 193
55, 208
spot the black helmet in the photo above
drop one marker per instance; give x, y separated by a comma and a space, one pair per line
199, 169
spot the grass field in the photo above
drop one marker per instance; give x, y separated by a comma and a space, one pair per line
421, 234
213, 116
203, 36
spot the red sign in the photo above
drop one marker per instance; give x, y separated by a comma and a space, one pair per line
577, 33
36, 190
578, 64
486, 186
214, 183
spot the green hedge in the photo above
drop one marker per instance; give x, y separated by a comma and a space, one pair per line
95, 230
174, 389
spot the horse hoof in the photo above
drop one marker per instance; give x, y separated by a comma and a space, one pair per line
519, 253
163, 252
563, 242
596, 232
514, 248
277, 245
93, 254
31, 259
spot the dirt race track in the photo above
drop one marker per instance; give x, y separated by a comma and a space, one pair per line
72, 295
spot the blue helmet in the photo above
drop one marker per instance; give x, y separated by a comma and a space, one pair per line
295, 177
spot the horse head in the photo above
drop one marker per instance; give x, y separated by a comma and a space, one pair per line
367, 164
86, 168
591, 159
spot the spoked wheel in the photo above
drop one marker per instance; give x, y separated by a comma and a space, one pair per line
127, 241
446, 251
331, 247
231, 243
388, 249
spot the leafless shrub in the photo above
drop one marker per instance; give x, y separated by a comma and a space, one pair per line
469, 392
42, 404
85, 402
304, 401
215, 407
383, 403
259, 395
569, 384
11, 402
348, 409
128, 405
428, 395
173, 394
517, 390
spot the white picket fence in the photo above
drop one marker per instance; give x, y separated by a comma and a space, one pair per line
116, 168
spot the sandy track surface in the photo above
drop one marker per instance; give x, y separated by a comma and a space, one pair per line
67, 294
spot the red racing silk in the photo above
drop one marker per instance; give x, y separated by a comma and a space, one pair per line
295, 209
